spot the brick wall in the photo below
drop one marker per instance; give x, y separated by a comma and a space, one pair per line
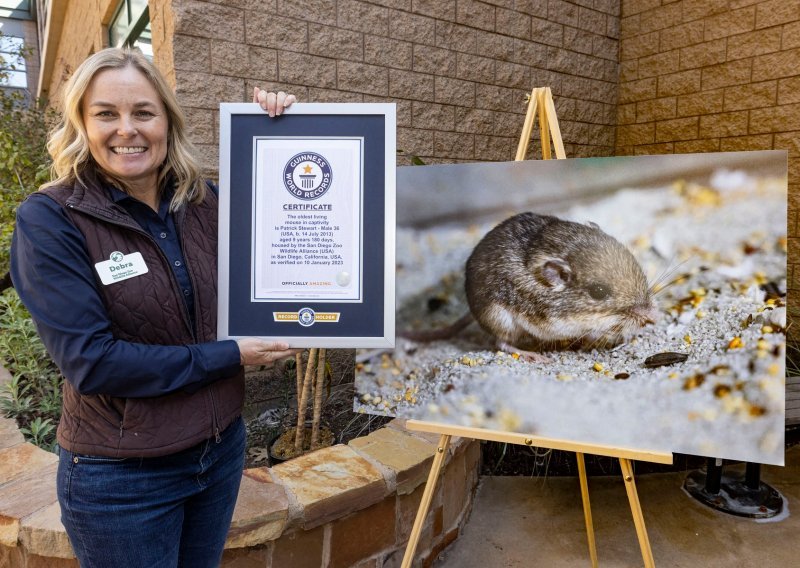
713, 75
458, 70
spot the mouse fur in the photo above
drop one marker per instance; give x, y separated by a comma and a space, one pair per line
536, 279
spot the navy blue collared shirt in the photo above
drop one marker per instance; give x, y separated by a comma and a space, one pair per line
54, 277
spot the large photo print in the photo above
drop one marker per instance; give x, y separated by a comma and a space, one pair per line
633, 302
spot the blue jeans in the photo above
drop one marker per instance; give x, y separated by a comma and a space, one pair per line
168, 511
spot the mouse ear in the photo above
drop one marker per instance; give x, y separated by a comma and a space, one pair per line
593, 225
555, 273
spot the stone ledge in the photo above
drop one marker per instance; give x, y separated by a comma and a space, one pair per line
9, 433
457, 443
408, 457
261, 513
20, 460
330, 483
23, 497
42, 532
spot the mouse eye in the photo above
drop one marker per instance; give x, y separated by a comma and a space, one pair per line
599, 291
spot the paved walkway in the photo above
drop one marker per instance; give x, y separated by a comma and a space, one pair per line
518, 521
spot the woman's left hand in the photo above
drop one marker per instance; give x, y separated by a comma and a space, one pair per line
273, 103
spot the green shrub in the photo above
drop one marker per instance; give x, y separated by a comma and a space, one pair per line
33, 396
24, 162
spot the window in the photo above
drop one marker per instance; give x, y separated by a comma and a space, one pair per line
15, 9
12, 64
131, 26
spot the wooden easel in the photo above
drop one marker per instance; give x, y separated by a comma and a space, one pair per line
541, 100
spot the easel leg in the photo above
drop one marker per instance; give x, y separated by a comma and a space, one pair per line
425, 504
544, 126
636, 509
587, 508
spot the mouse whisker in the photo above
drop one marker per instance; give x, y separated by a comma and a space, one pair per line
672, 267
658, 286
667, 268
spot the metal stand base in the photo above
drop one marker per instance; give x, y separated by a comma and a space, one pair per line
736, 494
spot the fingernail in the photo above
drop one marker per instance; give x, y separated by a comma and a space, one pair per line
272, 114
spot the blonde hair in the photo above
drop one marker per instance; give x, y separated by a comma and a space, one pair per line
69, 146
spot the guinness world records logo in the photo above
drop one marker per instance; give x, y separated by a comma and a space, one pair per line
306, 317
307, 176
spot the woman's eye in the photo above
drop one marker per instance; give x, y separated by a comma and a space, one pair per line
144, 114
599, 291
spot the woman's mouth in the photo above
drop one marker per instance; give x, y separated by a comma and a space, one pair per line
128, 149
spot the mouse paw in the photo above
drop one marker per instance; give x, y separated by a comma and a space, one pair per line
528, 356
532, 357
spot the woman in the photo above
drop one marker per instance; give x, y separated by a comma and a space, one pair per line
116, 261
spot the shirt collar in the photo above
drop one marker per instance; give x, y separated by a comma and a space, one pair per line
120, 197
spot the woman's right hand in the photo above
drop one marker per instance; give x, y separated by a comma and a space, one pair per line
256, 351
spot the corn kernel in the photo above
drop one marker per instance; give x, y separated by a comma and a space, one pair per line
735, 343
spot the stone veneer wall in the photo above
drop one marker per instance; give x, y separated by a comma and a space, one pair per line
345, 506
714, 75
458, 70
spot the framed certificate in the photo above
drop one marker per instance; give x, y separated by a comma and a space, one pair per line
307, 224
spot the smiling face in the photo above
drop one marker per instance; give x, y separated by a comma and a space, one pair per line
127, 126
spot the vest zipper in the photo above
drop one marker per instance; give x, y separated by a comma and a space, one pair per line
189, 272
214, 416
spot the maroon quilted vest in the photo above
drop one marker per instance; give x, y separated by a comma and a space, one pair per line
148, 309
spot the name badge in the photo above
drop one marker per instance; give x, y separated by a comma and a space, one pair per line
120, 267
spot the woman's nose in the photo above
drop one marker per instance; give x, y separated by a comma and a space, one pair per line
126, 127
